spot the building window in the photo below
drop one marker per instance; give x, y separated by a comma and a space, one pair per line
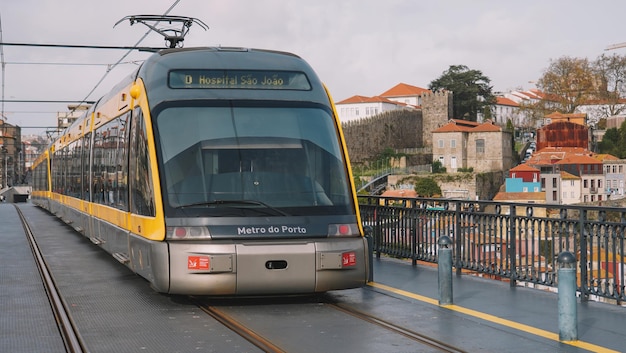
553, 182
442, 161
440, 143
554, 195
480, 146
452, 143
585, 184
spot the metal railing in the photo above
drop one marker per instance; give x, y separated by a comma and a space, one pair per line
508, 241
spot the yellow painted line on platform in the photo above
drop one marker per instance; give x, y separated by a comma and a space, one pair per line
498, 320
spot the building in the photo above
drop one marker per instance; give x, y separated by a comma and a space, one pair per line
11, 155
507, 109
359, 107
400, 96
462, 144
614, 174
563, 133
523, 178
65, 119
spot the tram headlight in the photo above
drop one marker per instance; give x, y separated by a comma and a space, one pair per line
187, 233
343, 230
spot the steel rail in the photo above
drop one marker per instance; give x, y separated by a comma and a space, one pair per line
429, 341
237, 327
71, 338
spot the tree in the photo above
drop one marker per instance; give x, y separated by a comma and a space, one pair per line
611, 73
427, 187
470, 88
609, 142
568, 83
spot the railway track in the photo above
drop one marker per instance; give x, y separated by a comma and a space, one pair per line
248, 318
429, 341
267, 344
67, 328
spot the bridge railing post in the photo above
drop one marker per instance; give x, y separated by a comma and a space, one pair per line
444, 261
568, 315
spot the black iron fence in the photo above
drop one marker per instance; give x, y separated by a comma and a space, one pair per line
508, 241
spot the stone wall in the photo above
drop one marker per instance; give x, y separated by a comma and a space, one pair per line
366, 138
400, 129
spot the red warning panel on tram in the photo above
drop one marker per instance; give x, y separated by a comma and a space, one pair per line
197, 262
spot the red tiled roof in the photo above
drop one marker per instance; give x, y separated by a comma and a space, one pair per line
487, 126
528, 196
578, 159
362, 99
400, 193
524, 168
551, 155
506, 101
568, 176
457, 125
605, 157
402, 90
561, 115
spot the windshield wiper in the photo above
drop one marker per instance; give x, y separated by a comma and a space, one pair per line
232, 203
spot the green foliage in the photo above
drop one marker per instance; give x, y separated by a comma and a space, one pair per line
438, 167
427, 187
614, 142
509, 126
471, 90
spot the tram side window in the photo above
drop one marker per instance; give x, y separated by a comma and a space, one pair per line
58, 170
141, 187
74, 170
40, 178
85, 166
110, 163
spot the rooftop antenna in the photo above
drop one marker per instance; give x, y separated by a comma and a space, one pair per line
174, 37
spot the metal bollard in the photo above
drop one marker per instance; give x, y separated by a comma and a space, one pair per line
369, 231
444, 264
568, 316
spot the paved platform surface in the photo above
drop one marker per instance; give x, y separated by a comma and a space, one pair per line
496, 306
486, 315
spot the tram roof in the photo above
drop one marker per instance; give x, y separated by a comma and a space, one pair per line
155, 72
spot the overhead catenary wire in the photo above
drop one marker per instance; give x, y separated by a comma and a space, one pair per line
121, 59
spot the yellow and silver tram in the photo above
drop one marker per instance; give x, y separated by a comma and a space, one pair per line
213, 171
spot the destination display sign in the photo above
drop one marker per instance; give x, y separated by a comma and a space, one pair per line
239, 79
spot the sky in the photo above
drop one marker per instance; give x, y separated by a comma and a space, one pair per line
357, 47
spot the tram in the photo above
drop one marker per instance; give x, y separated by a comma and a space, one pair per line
213, 171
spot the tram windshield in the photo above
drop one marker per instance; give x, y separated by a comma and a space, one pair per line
274, 161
